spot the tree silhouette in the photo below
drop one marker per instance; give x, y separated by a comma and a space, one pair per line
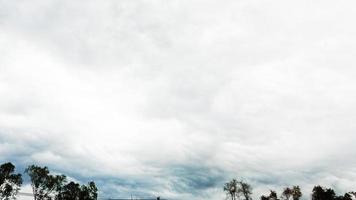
70, 191
244, 190
271, 196
296, 193
291, 193
320, 193
286, 194
89, 192
73, 191
10, 183
231, 189
263, 197
347, 196
44, 185
352, 194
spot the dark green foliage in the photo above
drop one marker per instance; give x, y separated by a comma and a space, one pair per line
73, 191
44, 185
89, 192
263, 197
47, 187
271, 196
286, 194
347, 196
296, 193
320, 193
293, 193
10, 183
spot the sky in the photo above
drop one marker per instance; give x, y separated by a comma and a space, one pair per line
173, 98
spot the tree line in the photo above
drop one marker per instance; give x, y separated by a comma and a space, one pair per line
241, 190
45, 186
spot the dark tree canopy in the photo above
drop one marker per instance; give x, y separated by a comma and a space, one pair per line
263, 197
320, 193
244, 190
296, 193
70, 191
73, 191
44, 185
286, 194
291, 193
10, 183
347, 196
89, 192
231, 189
235, 189
271, 196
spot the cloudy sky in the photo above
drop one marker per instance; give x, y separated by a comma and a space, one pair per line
176, 97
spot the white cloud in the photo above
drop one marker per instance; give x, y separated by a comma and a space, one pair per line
129, 89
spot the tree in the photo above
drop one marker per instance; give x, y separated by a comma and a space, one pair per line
320, 193
287, 193
296, 193
73, 191
352, 194
347, 196
293, 193
231, 189
263, 197
44, 185
271, 196
10, 183
89, 192
245, 190
70, 191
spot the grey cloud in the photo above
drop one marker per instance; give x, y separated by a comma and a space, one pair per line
130, 91
190, 178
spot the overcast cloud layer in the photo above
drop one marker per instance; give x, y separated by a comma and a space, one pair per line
175, 97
